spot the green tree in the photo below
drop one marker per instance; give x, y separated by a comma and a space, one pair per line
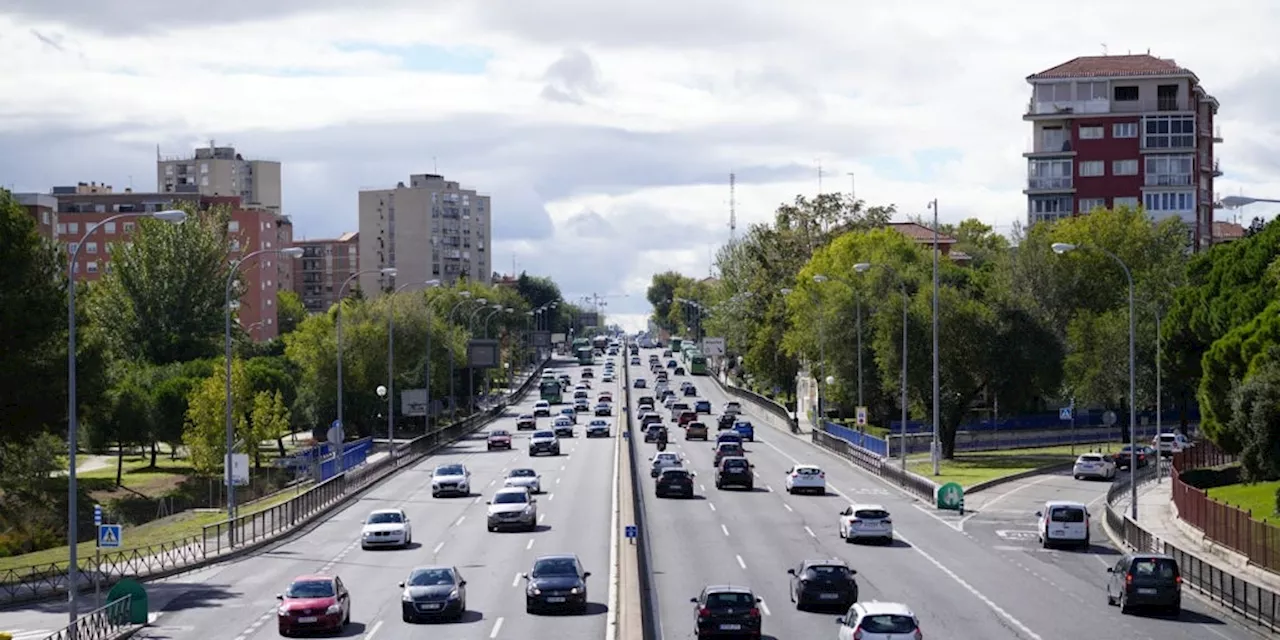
1232, 359
537, 291
661, 294
163, 299
269, 421
1255, 422
127, 421
290, 311
205, 431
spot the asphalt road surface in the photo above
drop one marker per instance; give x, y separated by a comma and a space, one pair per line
963, 581
236, 600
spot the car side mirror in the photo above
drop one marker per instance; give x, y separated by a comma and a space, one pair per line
693, 600
759, 600
401, 585
462, 583
586, 574
1111, 569
791, 571
488, 502
525, 576
840, 621
279, 596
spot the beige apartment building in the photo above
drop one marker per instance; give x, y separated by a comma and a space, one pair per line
325, 264
221, 171
429, 229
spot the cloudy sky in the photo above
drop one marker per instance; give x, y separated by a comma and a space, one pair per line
604, 131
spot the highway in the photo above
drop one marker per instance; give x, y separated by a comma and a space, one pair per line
962, 580
236, 600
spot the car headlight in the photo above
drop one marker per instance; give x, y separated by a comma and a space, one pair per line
333, 608
364, 534
575, 591
405, 597
282, 611
535, 591
453, 595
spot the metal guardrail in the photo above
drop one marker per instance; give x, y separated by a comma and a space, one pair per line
106, 623
650, 615
916, 484
1252, 601
746, 394
38, 582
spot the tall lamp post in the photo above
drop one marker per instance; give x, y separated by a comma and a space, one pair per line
291, 252
935, 448
863, 267
426, 366
496, 311
339, 463
822, 364
453, 372
391, 363
172, 216
1061, 248
471, 372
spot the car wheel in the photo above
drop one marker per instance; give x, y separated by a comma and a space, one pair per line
1124, 604
284, 633
1110, 601
346, 620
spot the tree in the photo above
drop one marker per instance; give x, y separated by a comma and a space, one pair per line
127, 421
1233, 358
537, 291
163, 299
269, 421
290, 311
661, 294
1255, 422
205, 430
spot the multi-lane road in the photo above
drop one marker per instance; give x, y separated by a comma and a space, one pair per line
237, 600
972, 576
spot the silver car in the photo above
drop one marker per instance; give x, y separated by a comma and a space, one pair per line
513, 508
526, 478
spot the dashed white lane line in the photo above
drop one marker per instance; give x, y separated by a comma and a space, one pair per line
702, 488
439, 546
541, 517
765, 607
557, 480
377, 625
497, 627
458, 522
530, 545
477, 500
788, 507
724, 529
713, 507
769, 488
492, 482
741, 563
516, 581
550, 497
810, 532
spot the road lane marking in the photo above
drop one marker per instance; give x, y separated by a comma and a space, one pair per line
562, 467
530, 545
724, 529
439, 546
741, 563
477, 500
788, 507
764, 607
516, 582
459, 520
541, 517
713, 507
810, 532
550, 497
497, 626
557, 480
768, 488
611, 618
1004, 495
377, 625
702, 488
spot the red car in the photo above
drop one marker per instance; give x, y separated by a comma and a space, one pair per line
314, 603
499, 438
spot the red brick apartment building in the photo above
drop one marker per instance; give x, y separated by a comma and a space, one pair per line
325, 264
1122, 130
73, 210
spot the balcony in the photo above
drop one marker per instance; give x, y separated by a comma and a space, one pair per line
1216, 133
1068, 108
1167, 180
1046, 185
1050, 148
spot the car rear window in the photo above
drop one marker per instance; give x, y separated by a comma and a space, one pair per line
727, 600
871, 514
1161, 568
808, 471
887, 623
1067, 514
735, 464
826, 572
1090, 458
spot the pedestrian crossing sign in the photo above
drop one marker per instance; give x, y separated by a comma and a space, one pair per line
109, 536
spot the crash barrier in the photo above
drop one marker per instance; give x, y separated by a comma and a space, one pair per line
107, 623
650, 617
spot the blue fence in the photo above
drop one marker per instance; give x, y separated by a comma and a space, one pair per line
866, 441
354, 454
993, 441
1048, 420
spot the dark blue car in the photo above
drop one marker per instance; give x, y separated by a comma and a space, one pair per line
746, 430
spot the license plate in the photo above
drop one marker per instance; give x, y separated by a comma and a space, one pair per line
554, 599
731, 627
1147, 592
307, 619
829, 596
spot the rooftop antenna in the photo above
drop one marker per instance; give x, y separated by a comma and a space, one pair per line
819, 177
733, 209
1104, 48
157, 152
435, 166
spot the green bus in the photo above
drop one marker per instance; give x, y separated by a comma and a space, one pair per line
551, 391
697, 364
586, 356
687, 350
675, 344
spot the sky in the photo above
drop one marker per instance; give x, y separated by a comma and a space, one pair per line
605, 132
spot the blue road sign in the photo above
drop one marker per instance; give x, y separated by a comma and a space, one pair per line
1064, 413
97, 515
109, 536
633, 531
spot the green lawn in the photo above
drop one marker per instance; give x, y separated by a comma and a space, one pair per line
970, 468
1258, 498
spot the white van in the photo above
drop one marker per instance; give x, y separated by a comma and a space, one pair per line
1063, 521
1170, 443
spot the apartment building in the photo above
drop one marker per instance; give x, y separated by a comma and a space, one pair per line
1122, 130
221, 171
80, 207
429, 229
324, 266
43, 208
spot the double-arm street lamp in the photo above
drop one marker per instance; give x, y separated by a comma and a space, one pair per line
822, 358
453, 372
172, 216
342, 292
471, 372
391, 362
1061, 248
863, 267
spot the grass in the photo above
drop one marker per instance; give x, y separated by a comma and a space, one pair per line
970, 468
1259, 498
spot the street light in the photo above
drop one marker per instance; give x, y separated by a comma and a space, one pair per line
391, 360
172, 216
453, 372
1061, 248
471, 372
291, 252
863, 267
822, 357
342, 427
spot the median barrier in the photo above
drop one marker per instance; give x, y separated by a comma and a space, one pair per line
245, 534
650, 618
773, 408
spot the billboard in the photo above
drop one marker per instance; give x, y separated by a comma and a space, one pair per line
483, 354
413, 402
588, 319
713, 347
557, 338
541, 339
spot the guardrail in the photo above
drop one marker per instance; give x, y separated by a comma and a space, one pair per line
1229, 526
1254, 602
106, 623
650, 616
916, 484
995, 441
220, 540
746, 394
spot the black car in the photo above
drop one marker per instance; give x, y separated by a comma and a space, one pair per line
726, 612
677, 482
655, 433
735, 471
725, 421
433, 593
1145, 455
1145, 580
690, 391
556, 583
588, 373
823, 583
638, 383
527, 421
563, 429
604, 409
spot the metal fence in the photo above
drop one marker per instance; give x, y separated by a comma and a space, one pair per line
100, 624
866, 441
1254, 602
997, 440
37, 582
1234, 528
868, 460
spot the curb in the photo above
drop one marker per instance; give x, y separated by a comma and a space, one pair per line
1038, 471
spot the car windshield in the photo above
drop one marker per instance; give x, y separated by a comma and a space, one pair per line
808, 471
310, 589
523, 473
1067, 514
826, 572
499, 432
730, 599
543, 434
666, 457
430, 578
555, 567
510, 497
887, 623
451, 470
384, 517
730, 448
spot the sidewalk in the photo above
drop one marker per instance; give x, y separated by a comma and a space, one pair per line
1157, 515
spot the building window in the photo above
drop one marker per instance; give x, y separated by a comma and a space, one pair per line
1092, 133
73, 227
1124, 167
110, 227
204, 167
1169, 171
100, 208
1125, 94
1169, 132
1050, 204
71, 247
1049, 174
1053, 92
168, 170
1091, 91
62, 228
233, 227
204, 181
1093, 169
1170, 201
1124, 130
91, 247
1124, 202
44, 217
91, 266
1087, 205
128, 227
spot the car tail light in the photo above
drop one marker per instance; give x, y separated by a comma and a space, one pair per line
1178, 579
704, 612
857, 634
919, 636
794, 476
888, 521
822, 474
1128, 578
754, 612
855, 521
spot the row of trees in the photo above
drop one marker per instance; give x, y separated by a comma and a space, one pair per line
150, 354
1018, 323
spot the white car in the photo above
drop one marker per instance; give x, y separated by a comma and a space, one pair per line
1094, 465
542, 408
1063, 521
806, 477
665, 460
527, 478
450, 479
866, 521
386, 528
878, 621
1170, 443
513, 508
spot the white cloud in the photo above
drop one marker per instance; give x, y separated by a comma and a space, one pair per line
604, 131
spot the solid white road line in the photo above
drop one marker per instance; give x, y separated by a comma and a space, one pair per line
497, 626
810, 532
724, 529
438, 547
611, 618
741, 562
377, 625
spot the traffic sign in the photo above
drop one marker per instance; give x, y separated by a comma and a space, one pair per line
861, 416
97, 515
949, 496
1065, 413
633, 531
110, 535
